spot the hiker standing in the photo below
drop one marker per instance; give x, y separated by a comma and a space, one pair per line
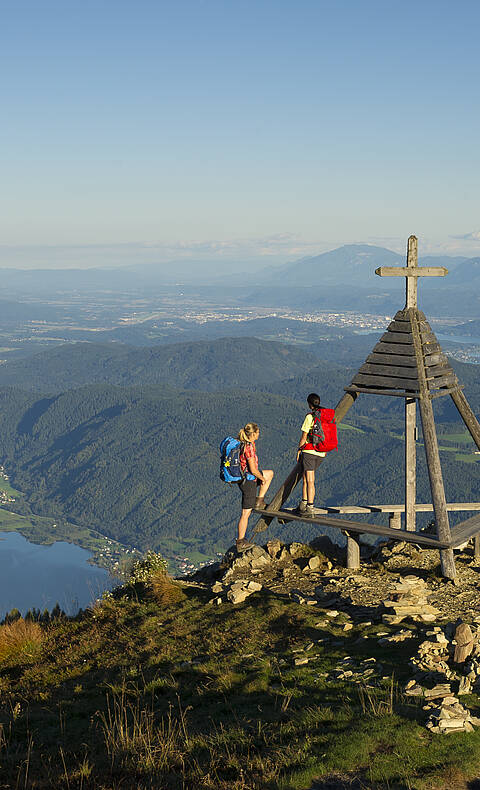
310, 457
253, 478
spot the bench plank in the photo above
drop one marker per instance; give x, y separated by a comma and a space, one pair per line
369, 380
465, 530
372, 391
358, 526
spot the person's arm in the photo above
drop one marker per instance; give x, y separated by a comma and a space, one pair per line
253, 469
302, 443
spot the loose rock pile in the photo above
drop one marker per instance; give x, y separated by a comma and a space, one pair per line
365, 672
444, 654
409, 599
235, 577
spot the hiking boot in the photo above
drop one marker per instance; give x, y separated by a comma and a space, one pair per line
309, 512
243, 545
301, 508
260, 503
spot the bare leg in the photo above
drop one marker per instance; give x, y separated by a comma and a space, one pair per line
243, 523
268, 475
304, 488
310, 478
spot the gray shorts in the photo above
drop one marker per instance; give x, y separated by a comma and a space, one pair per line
311, 462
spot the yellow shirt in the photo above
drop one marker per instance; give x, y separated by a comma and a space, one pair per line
306, 428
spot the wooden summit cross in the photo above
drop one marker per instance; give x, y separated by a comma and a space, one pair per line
407, 362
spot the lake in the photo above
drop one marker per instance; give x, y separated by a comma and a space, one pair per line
38, 576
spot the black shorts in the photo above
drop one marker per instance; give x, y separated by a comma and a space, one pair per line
249, 493
311, 462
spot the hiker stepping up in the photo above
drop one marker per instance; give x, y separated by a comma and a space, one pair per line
253, 478
319, 436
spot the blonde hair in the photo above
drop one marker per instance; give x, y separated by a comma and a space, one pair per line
246, 433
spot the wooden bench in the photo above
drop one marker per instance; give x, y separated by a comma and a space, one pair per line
353, 529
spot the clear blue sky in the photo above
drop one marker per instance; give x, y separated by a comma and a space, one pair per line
236, 127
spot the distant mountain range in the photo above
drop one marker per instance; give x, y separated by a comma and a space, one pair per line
352, 265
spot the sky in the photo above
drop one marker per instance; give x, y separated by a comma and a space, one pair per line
250, 130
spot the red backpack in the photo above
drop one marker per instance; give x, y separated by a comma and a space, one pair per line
322, 436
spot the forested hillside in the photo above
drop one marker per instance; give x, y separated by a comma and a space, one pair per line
204, 365
141, 463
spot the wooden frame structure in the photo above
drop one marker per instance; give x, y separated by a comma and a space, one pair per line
407, 362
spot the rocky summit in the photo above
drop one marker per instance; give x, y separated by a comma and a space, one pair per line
398, 584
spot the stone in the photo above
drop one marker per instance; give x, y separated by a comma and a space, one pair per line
464, 643
239, 583
392, 619
465, 686
274, 548
217, 587
254, 586
347, 627
238, 594
260, 561
314, 563
447, 724
295, 549
299, 662
414, 691
440, 690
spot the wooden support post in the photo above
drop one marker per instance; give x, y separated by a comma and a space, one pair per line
395, 520
281, 496
410, 463
344, 405
353, 550
436, 486
467, 415
412, 263
433, 456
476, 549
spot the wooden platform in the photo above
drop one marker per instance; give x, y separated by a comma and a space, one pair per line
459, 534
346, 525
420, 508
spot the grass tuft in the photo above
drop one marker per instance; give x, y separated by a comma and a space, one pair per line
133, 739
164, 589
21, 639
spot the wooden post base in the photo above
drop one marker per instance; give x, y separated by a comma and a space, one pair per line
395, 520
353, 551
476, 550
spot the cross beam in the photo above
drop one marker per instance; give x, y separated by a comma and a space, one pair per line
411, 272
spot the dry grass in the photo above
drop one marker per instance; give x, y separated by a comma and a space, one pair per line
164, 589
378, 702
20, 639
133, 739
